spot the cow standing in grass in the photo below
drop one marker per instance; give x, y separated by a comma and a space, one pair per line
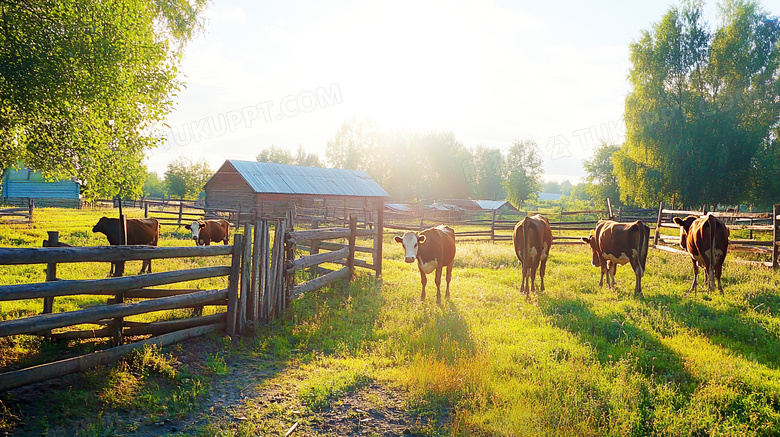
532, 239
616, 244
206, 231
433, 249
706, 239
139, 231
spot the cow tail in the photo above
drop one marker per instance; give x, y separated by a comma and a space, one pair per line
526, 267
644, 244
712, 221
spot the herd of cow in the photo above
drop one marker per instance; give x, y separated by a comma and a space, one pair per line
705, 238
147, 232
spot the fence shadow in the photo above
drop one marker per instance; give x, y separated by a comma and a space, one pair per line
728, 328
613, 335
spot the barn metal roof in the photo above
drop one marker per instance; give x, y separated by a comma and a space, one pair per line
265, 177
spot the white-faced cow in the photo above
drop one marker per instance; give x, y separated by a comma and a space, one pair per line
206, 231
616, 243
532, 239
707, 240
433, 249
139, 231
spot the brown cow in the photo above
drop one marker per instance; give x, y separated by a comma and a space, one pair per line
434, 248
139, 231
619, 243
696, 236
206, 231
532, 236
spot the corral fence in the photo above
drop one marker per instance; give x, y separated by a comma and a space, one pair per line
24, 214
261, 268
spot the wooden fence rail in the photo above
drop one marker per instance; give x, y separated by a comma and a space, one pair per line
25, 213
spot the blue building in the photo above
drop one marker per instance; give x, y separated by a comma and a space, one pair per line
22, 184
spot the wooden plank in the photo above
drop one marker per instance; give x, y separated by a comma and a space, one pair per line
46, 255
42, 322
313, 260
108, 286
154, 293
327, 234
246, 265
153, 328
235, 272
320, 282
43, 372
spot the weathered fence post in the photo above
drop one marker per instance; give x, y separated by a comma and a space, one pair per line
658, 223
314, 245
181, 211
146, 209
235, 271
254, 296
352, 237
246, 265
493, 226
289, 254
51, 272
775, 234
379, 206
31, 209
609, 209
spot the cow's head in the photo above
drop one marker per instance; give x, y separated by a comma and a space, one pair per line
685, 226
101, 225
591, 242
410, 242
195, 227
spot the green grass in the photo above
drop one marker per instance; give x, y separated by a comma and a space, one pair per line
574, 360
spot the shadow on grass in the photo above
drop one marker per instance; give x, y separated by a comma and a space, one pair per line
613, 336
728, 328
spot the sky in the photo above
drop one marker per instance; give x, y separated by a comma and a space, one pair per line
290, 73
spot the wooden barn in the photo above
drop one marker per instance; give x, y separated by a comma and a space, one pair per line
20, 185
269, 190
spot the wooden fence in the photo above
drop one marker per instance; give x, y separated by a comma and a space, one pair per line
111, 315
24, 213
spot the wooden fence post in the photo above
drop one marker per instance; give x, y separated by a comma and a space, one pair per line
289, 254
246, 265
379, 206
51, 272
181, 210
775, 234
609, 209
146, 209
235, 272
253, 300
352, 236
31, 209
314, 246
658, 224
493, 226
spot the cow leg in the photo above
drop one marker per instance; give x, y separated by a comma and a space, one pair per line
449, 277
611, 270
638, 288
601, 278
423, 280
438, 285
695, 276
533, 278
542, 268
718, 273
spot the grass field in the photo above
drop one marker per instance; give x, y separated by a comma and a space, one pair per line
575, 360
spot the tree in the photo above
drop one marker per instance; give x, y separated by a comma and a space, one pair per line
488, 176
281, 156
153, 185
601, 180
523, 171
276, 155
185, 178
86, 85
702, 107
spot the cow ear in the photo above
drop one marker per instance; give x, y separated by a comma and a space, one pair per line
188, 227
421, 239
678, 221
585, 239
398, 239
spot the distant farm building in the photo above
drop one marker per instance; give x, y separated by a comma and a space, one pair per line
22, 184
270, 190
499, 206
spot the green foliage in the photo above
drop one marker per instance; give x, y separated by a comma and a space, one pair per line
601, 179
153, 185
523, 171
702, 109
85, 85
185, 178
281, 156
